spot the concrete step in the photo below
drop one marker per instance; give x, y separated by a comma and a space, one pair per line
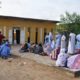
70, 72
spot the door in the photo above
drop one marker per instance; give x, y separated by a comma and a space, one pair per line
36, 36
28, 35
18, 36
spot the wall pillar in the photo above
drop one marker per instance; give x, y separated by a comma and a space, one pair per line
10, 36
40, 35
1, 29
32, 35
4, 31
26, 34
7, 32
22, 35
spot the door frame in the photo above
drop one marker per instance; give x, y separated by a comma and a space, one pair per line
13, 29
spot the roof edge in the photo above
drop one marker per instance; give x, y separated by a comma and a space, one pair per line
29, 18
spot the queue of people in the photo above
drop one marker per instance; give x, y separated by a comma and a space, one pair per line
66, 55
69, 56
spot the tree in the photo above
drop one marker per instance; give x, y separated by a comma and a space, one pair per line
69, 23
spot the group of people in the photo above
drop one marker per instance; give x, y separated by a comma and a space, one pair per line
39, 48
66, 55
52, 47
33, 48
4, 47
44, 49
69, 56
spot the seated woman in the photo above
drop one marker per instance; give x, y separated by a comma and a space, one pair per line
5, 50
32, 47
49, 48
38, 49
73, 62
24, 48
62, 58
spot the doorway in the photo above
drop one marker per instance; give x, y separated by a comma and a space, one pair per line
16, 35
36, 36
28, 35
45, 33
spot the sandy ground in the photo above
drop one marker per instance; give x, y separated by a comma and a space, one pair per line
20, 68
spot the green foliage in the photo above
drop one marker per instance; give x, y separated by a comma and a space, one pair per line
69, 23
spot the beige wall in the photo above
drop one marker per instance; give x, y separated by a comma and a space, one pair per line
25, 24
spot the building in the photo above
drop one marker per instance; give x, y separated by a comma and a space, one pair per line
18, 30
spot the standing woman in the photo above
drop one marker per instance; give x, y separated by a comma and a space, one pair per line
57, 46
71, 44
47, 38
1, 38
78, 44
50, 37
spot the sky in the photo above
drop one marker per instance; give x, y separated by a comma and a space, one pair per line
38, 9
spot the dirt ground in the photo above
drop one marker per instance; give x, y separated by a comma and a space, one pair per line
19, 68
